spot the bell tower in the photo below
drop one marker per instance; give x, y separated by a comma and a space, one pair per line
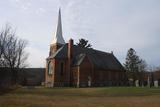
58, 40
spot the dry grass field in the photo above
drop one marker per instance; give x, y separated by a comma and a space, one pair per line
82, 97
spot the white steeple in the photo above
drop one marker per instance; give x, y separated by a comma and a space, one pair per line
58, 38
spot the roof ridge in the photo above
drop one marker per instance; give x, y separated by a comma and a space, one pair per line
94, 50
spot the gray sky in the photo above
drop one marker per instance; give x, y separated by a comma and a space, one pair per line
109, 25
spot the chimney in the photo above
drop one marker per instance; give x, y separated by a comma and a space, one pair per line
70, 56
70, 49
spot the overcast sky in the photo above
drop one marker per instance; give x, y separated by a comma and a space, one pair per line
109, 25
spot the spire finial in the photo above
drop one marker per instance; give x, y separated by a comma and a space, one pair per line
58, 37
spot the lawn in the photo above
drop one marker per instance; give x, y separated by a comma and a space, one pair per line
82, 97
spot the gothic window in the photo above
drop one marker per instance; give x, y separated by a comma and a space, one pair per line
50, 68
61, 69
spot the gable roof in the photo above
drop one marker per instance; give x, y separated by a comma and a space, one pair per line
101, 60
61, 53
78, 59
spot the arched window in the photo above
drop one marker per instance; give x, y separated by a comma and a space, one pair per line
50, 68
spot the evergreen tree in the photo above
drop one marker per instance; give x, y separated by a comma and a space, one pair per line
132, 64
84, 43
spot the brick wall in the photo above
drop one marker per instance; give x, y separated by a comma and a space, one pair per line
85, 72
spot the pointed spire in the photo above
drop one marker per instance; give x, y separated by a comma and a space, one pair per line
58, 37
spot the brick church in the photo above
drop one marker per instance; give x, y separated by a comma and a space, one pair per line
71, 65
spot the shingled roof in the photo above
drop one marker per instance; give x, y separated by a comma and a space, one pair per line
100, 60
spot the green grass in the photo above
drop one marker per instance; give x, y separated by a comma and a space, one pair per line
82, 97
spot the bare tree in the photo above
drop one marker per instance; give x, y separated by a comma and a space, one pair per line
142, 71
12, 50
3, 39
157, 68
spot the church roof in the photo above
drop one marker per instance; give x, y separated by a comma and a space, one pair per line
58, 37
100, 60
78, 59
